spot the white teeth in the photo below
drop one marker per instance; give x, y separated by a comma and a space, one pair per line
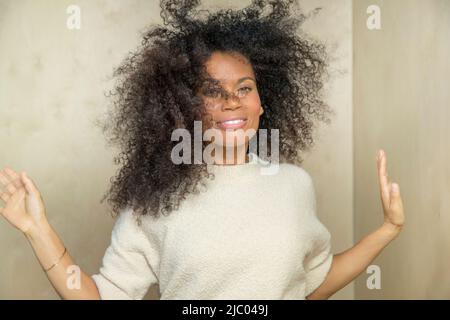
233, 121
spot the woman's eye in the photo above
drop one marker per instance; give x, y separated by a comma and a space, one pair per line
245, 89
212, 93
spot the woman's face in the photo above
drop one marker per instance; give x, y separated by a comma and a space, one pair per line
231, 99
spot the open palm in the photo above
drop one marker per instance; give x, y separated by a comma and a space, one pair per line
24, 206
390, 194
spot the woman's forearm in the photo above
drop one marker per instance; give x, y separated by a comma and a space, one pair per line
48, 248
348, 264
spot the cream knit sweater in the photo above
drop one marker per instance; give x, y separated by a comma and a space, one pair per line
248, 236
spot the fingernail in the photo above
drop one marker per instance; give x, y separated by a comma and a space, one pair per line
395, 187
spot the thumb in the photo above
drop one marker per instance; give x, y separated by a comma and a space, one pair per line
29, 185
395, 194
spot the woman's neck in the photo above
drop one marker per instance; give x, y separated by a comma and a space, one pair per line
232, 156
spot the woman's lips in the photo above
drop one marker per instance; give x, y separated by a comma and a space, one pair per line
232, 124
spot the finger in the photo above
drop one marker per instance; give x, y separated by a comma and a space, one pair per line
383, 179
396, 200
9, 186
4, 196
14, 177
29, 185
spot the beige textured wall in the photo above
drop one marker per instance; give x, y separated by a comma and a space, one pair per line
52, 82
401, 103
331, 163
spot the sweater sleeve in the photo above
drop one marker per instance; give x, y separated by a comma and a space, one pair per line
318, 262
317, 266
125, 273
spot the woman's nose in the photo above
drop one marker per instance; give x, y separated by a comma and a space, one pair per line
231, 102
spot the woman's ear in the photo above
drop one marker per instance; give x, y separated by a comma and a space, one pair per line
261, 110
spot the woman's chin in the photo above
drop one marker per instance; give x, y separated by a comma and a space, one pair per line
229, 145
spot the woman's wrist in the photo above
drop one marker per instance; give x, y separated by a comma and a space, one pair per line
38, 230
391, 230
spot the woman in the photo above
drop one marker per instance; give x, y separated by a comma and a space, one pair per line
246, 235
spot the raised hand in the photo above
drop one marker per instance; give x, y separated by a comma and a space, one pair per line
24, 207
390, 194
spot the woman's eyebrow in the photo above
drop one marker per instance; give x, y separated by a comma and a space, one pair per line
213, 81
245, 78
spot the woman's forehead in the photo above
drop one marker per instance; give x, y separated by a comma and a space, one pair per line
227, 67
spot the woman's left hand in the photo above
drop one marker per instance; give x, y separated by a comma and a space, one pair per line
390, 195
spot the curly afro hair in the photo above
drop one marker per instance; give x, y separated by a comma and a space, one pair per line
158, 85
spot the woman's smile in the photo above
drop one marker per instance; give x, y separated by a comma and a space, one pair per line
232, 123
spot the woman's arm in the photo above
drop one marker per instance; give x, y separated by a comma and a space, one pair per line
49, 249
347, 265
25, 210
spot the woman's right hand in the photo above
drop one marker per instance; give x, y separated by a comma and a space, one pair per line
24, 207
